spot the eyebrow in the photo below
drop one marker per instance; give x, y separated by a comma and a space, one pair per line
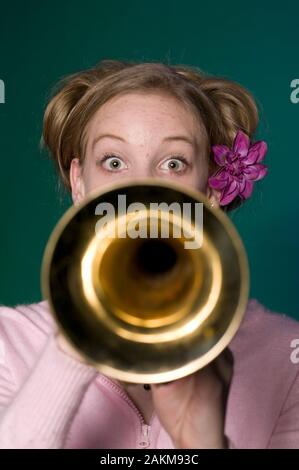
183, 138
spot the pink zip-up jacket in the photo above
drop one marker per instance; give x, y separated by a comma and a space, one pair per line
49, 400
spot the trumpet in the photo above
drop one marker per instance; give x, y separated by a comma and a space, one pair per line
139, 305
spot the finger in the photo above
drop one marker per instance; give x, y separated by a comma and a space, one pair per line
224, 365
161, 384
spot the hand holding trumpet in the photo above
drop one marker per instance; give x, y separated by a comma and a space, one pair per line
192, 409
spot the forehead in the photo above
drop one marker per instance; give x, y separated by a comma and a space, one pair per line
162, 112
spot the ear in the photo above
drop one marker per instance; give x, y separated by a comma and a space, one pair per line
214, 196
76, 181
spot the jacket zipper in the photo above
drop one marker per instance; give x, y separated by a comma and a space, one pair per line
144, 440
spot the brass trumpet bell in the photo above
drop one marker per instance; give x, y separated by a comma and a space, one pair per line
140, 306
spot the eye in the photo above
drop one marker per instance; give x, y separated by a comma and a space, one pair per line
176, 164
111, 162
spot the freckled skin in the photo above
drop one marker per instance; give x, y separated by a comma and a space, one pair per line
143, 120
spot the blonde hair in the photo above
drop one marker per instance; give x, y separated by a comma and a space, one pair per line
221, 105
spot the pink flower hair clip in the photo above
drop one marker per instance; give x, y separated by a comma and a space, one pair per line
239, 168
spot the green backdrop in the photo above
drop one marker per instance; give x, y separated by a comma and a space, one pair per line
254, 43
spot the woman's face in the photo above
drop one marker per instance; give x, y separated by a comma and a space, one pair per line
139, 136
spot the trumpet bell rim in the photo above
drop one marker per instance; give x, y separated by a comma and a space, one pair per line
106, 331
